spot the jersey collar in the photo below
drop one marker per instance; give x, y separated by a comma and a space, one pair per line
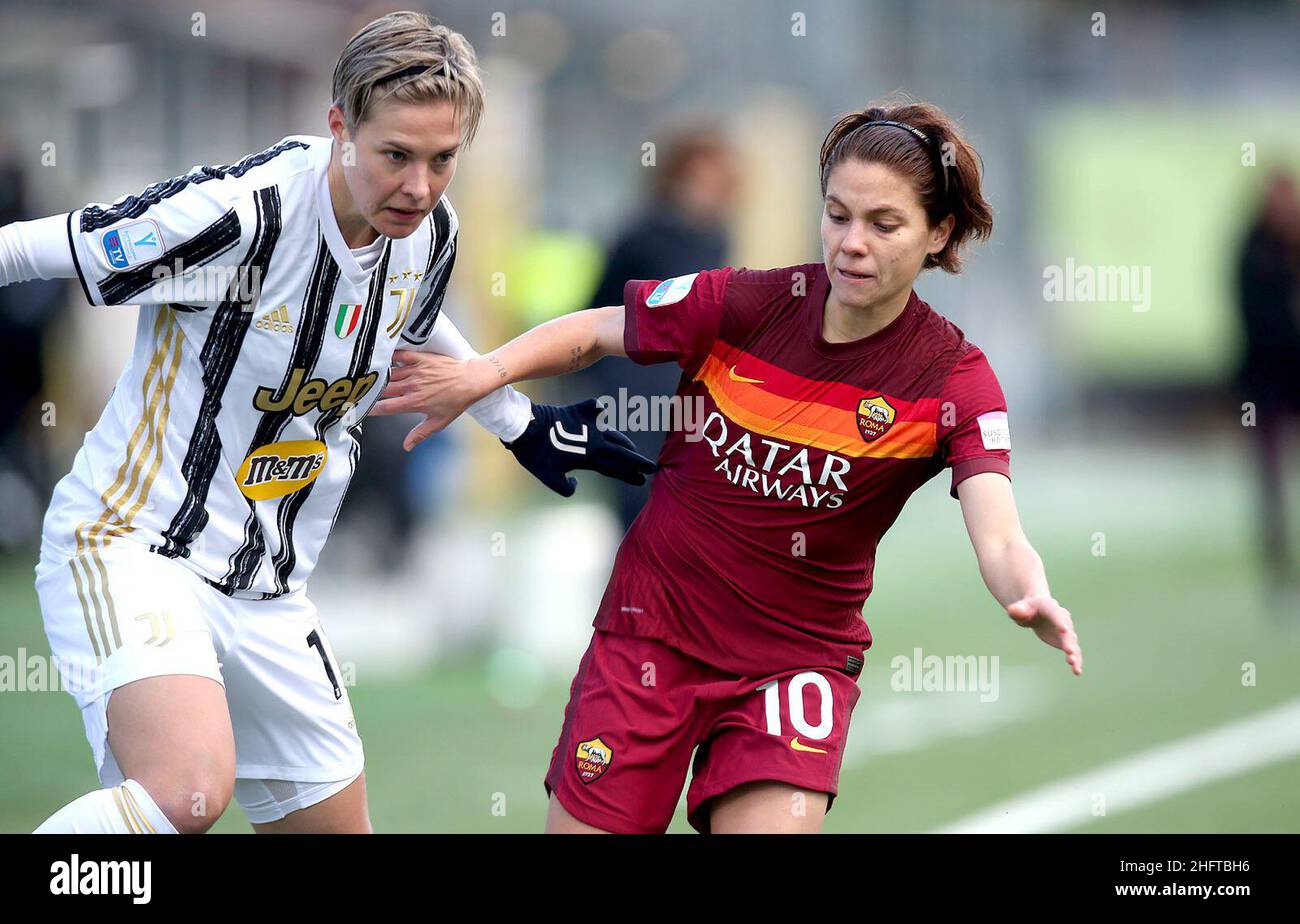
348, 265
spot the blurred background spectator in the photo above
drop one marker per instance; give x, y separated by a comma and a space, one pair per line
27, 315
1269, 296
680, 228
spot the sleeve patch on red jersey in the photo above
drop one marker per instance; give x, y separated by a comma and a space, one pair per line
994, 430
671, 291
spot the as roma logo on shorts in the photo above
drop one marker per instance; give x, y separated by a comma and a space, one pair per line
875, 417
592, 759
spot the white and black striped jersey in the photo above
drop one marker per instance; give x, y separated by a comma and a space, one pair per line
232, 434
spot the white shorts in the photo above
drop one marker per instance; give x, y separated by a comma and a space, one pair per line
123, 613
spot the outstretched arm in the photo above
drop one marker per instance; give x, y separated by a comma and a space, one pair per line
557, 440
442, 388
558, 347
503, 412
1011, 568
35, 250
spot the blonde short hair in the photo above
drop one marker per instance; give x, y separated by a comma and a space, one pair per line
408, 57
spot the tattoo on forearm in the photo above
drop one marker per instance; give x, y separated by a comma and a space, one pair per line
575, 358
498, 366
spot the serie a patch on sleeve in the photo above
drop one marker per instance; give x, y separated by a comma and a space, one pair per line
994, 430
671, 291
133, 244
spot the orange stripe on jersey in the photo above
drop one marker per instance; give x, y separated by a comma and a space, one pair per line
779, 404
794, 387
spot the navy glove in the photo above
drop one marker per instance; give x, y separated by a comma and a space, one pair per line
561, 439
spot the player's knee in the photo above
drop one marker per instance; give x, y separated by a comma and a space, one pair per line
194, 799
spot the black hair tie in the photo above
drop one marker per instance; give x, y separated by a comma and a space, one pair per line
925, 140
421, 69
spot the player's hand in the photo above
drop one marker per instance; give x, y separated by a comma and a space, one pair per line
437, 386
1051, 622
561, 439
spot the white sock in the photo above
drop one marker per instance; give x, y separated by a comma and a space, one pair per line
125, 809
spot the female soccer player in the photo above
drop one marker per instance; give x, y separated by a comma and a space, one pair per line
174, 556
731, 626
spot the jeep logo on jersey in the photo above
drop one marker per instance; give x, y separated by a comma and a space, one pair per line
301, 397
277, 469
875, 417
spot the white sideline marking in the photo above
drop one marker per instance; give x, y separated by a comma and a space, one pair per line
1226, 751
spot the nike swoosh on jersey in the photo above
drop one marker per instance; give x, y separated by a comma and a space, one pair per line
797, 745
736, 377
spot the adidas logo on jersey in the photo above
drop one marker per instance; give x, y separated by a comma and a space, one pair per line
276, 321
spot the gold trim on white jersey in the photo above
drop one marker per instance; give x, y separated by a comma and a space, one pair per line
145, 445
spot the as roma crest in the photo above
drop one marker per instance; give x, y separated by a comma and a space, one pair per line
875, 417
592, 759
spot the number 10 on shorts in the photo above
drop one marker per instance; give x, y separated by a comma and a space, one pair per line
794, 702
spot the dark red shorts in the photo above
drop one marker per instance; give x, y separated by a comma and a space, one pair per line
638, 709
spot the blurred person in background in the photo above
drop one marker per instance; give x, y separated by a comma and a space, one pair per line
681, 226
27, 312
1268, 285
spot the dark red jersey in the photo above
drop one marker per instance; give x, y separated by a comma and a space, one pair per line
754, 553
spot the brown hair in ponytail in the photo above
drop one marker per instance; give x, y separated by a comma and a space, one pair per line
943, 168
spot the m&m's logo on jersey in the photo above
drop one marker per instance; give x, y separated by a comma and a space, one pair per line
875, 417
133, 244
671, 291
593, 759
277, 469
